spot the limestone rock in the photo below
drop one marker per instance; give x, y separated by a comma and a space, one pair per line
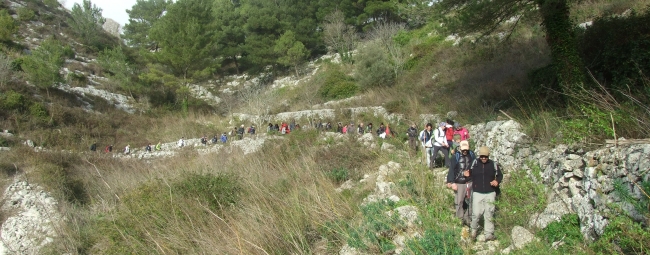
521, 237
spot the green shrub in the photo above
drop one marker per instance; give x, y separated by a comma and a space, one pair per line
396, 106
435, 242
25, 14
42, 66
377, 228
8, 26
623, 236
51, 3
566, 230
373, 67
338, 175
615, 50
592, 124
12, 100
214, 191
37, 110
336, 84
77, 79
59, 179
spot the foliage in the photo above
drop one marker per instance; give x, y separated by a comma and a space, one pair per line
51, 3
184, 34
115, 62
25, 14
216, 191
520, 197
42, 66
8, 26
86, 21
12, 100
615, 49
5, 69
335, 84
566, 230
142, 17
291, 51
623, 236
338, 175
374, 68
435, 242
54, 171
377, 227
592, 124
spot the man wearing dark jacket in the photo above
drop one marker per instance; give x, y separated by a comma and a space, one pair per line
485, 179
458, 181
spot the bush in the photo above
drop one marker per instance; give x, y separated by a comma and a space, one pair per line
615, 49
335, 84
213, 190
623, 236
8, 26
77, 79
373, 67
12, 100
435, 242
566, 230
42, 66
338, 175
520, 197
375, 232
25, 14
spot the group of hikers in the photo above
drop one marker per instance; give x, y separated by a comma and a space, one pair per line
475, 180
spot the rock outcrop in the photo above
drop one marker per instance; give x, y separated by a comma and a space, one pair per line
32, 219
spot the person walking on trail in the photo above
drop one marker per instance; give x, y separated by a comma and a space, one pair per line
109, 148
224, 138
127, 149
412, 133
449, 134
204, 140
458, 180
486, 177
461, 131
240, 132
426, 137
93, 147
361, 129
148, 148
381, 131
387, 132
158, 146
214, 139
251, 130
181, 142
440, 144
344, 130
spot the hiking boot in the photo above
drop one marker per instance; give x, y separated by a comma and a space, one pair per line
473, 235
490, 238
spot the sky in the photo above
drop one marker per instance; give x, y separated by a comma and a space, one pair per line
113, 9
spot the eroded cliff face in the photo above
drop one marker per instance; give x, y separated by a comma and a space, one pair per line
578, 181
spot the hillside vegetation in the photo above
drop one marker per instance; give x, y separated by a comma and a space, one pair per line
575, 74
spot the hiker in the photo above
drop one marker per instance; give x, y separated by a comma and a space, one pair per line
369, 128
328, 126
412, 133
148, 148
127, 149
204, 140
224, 138
440, 144
292, 126
462, 131
381, 131
351, 129
456, 146
284, 128
93, 147
339, 128
486, 177
214, 139
387, 132
251, 130
426, 137
158, 146
458, 181
361, 129
109, 148
240, 132
345, 129
449, 133
181, 142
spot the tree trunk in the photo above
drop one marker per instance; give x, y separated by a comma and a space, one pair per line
236, 64
561, 39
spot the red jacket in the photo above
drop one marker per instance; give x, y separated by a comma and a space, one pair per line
449, 133
464, 134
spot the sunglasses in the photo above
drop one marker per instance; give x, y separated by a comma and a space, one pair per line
483, 157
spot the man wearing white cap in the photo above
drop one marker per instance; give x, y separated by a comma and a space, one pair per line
458, 181
440, 144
